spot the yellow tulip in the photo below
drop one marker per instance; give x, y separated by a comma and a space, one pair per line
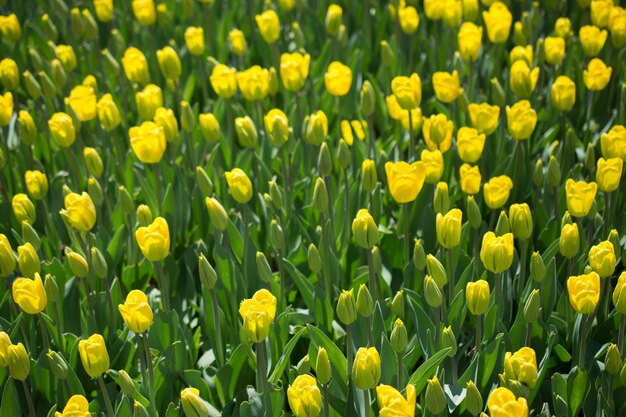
80, 211
521, 366
609, 174
23, 209
619, 298
7, 258
237, 42
433, 163
94, 355
470, 10
563, 93
453, 13
246, 132
276, 127
470, 40
409, 19
316, 127
269, 25
364, 229
470, 179
193, 405
602, 258
397, 113
437, 131
136, 66
366, 368
522, 53
166, 119
294, 70
169, 63
29, 294
562, 27
19, 362
154, 240
496, 191
209, 127
613, 143
258, 314
239, 185
569, 241
392, 403
28, 260
82, 100
584, 292
554, 49
470, 144
36, 184
148, 101
65, 54
498, 21
338, 79
405, 180
6, 108
522, 79
334, 14
76, 406
617, 26
148, 142
304, 396
484, 117
521, 120
448, 228
254, 83
194, 39
592, 40
347, 128
496, 252
434, 9
597, 75
224, 80
580, 196
144, 12
9, 73
502, 403
108, 113
104, 10
521, 221
407, 91
477, 297
10, 28
601, 12
447, 86
136, 311
62, 129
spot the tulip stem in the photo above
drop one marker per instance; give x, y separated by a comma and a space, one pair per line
164, 286
29, 400
146, 349
451, 280
145, 382
529, 334
217, 327
372, 275
44, 333
405, 224
411, 137
326, 406
157, 181
349, 349
620, 337
400, 371
366, 403
326, 257
105, 395
479, 337
261, 367
522, 265
498, 294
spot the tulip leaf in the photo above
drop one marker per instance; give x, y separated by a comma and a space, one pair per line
577, 390
427, 369
10, 401
228, 376
285, 357
337, 359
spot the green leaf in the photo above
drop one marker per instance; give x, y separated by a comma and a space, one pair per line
427, 369
10, 401
227, 377
335, 355
577, 390
283, 362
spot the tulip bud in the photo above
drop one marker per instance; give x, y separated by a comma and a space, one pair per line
538, 173
622, 375
532, 307
397, 304
613, 359
127, 386
448, 340
569, 241
111, 65
435, 397
473, 399
263, 267
324, 161
432, 293
93, 162
209, 127
369, 175
144, 215
537, 267
566, 219
614, 239
554, 172
204, 182
140, 410
28, 260
47, 85
273, 81
314, 259
126, 200
304, 365
98, 263
208, 276
58, 73
49, 28
419, 256
366, 368
503, 226
320, 196
26, 127
364, 302
441, 199
192, 404
95, 191
322, 366
277, 195
277, 236
58, 365
399, 337
497, 93
333, 19
386, 54
19, 362
473, 213
298, 35
376, 262
187, 119
76, 23
29, 235
50, 285
246, 132
590, 157
344, 156
32, 86
77, 263
346, 307
367, 99
217, 214
436, 271
89, 25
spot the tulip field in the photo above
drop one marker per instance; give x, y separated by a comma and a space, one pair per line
334, 208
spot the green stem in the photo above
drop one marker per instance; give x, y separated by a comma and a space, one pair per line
371, 275
451, 279
326, 254
44, 333
349, 349
326, 406
620, 337
157, 181
479, 337
411, 138
400, 376
366, 403
583, 340
105, 394
164, 285
29, 400
217, 327
145, 382
405, 224
146, 350
261, 367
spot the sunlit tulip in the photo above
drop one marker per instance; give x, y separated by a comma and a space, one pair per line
30, 294
136, 66
294, 70
94, 355
437, 131
470, 179
580, 196
470, 41
521, 120
477, 297
338, 79
584, 292
254, 83
503, 403
80, 211
154, 240
258, 314
304, 396
521, 366
239, 185
597, 75
136, 311
496, 191
405, 180
496, 252
498, 21
447, 86
148, 142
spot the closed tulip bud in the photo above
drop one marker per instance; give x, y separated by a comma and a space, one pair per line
193, 405
77, 23
346, 307
263, 267
36, 184
320, 196
127, 386
554, 50
496, 252
269, 25
273, 81
532, 307
615, 240
136, 66
448, 340
497, 92
208, 276
9, 74
154, 240
166, 119
98, 263
344, 156
523, 79
563, 93
23, 209
77, 263
246, 132
432, 293
111, 65
139, 410
619, 294
364, 302
473, 399
148, 101
144, 12
387, 55
369, 175
521, 221
93, 161
209, 127
90, 27
94, 355
473, 213
187, 118
304, 367
584, 292
613, 360
602, 259
441, 199
217, 214
49, 28
448, 228
27, 131
28, 260
32, 86
419, 256
333, 19
538, 173
50, 287
436, 270
367, 99
126, 201
569, 241
239, 185
470, 40
204, 182
314, 259
435, 397
277, 236
399, 337
477, 297
537, 267
554, 172
57, 364
19, 362
237, 42
364, 229
397, 304
322, 366
366, 368
58, 73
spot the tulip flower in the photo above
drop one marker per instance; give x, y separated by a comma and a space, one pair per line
498, 21
366, 368
502, 403
237, 42
209, 127
62, 129
609, 174
521, 221
562, 27
269, 25
338, 79
258, 314
346, 307
521, 120
29, 294
136, 66
496, 191
569, 241
392, 403
65, 54
7, 257
148, 101
584, 292
108, 113
597, 75
169, 63
194, 39
470, 179
294, 70
136, 311
496, 252
193, 405
522, 79
154, 240
94, 355
405, 180
434, 9
254, 83
364, 229
448, 228
80, 211
470, 144
523, 53
437, 131
619, 295
409, 19
19, 362
563, 93
580, 196
304, 396
408, 91
333, 18
433, 163
239, 185
6, 108
148, 142
470, 41
613, 143
602, 259
28, 260
521, 366
10, 28
144, 12
276, 127
76, 406
166, 119
447, 86
477, 297
82, 100
224, 80
554, 49
26, 127
484, 117
9, 73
